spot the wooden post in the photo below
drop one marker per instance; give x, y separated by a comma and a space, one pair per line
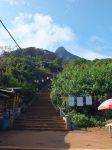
110, 132
109, 129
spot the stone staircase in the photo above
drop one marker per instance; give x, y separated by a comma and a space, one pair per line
41, 115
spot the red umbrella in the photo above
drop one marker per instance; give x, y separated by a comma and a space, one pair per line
106, 105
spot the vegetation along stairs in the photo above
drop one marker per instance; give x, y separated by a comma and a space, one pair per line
41, 115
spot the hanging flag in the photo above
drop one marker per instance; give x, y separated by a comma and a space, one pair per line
65, 98
80, 101
88, 100
71, 101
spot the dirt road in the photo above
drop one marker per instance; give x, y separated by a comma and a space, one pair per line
93, 138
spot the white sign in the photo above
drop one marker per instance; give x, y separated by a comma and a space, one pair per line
88, 100
71, 101
80, 101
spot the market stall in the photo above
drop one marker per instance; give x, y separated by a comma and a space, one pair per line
10, 106
4, 112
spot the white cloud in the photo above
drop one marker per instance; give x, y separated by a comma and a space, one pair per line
85, 53
39, 30
89, 54
99, 43
96, 39
15, 2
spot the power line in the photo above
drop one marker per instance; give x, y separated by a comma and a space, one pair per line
10, 34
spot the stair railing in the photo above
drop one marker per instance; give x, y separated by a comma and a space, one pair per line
65, 117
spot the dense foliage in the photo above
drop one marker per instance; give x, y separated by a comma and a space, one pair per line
82, 77
28, 68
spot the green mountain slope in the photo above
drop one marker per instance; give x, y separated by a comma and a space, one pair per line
28, 68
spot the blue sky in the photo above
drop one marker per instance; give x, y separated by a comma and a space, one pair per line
83, 27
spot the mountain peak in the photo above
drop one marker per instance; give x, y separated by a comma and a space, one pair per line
64, 54
61, 48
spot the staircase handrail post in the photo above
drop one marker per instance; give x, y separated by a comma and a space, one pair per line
67, 121
61, 113
65, 117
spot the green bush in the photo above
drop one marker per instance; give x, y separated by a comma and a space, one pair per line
81, 120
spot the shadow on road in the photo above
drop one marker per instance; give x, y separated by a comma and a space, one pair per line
34, 139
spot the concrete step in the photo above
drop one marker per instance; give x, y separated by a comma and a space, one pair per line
39, 122
41, 116
41, 119
39, 125
24, 148
42, 129
42, 112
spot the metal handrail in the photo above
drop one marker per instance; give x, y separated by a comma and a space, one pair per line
65, 117
61, 111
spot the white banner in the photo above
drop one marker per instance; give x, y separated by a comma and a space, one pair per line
88, 100
71, 101
80, 101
